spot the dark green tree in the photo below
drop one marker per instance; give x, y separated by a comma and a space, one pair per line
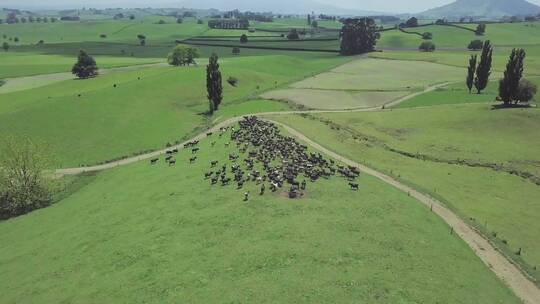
509, 85
243, 38
358, 36
471, 71
5, 46
476, 45
480, 29
142, 39
85, 67
309, 19
483, 71
427, 46
213, 84
412, 22
293, 35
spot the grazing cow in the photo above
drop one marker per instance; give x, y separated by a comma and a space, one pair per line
209, 134
153, 161
172, 162
194, 150
168, 158
263, 188
207, 175
193, 159
214, 163
213, 143
246, 196
354, 186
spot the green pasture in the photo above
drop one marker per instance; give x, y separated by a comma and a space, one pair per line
125, 31
334, 99
461, 58
165, 105
16, 64
431, 149
386, 75
154, 234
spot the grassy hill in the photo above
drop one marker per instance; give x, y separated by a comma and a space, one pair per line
460, 154
154, 234
485, 8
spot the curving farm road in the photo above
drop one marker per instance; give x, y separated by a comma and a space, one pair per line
508, 272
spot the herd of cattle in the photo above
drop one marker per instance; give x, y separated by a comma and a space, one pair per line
266, 157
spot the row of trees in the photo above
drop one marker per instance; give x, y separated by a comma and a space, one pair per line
13, 19
228, 24
513, 88
478, 74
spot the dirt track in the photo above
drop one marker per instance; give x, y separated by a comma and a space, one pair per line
509, 273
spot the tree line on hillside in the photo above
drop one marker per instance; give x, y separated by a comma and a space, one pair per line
513, 88
228, 24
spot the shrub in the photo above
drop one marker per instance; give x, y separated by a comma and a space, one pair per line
476, 45
161, 21
427, 36
480, 29
200, 21
102, 36
293, 35
23, 186
179, 20
427, 46
236, 51
526, 91
244, 38
232, 81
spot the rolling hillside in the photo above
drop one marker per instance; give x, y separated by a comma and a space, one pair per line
486, 8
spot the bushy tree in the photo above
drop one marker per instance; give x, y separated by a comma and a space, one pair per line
427, 36
412, 22
427, 46
179, 20
236, 51
131, 17
358, 36
243, 38
471, 71
183, 55
293, 35
315, 24
480, 29
476, 45
142, 39
23, 185
526, 91
509, 85
483, 71
200, 21
85, 67
213, 84
5, 46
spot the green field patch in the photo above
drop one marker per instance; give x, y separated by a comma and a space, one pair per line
147, 109
373, 74
334, 99
155, 234
467, 156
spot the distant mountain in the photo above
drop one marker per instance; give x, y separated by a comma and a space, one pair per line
485, 8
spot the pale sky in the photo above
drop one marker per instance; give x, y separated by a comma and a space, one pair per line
407, 6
